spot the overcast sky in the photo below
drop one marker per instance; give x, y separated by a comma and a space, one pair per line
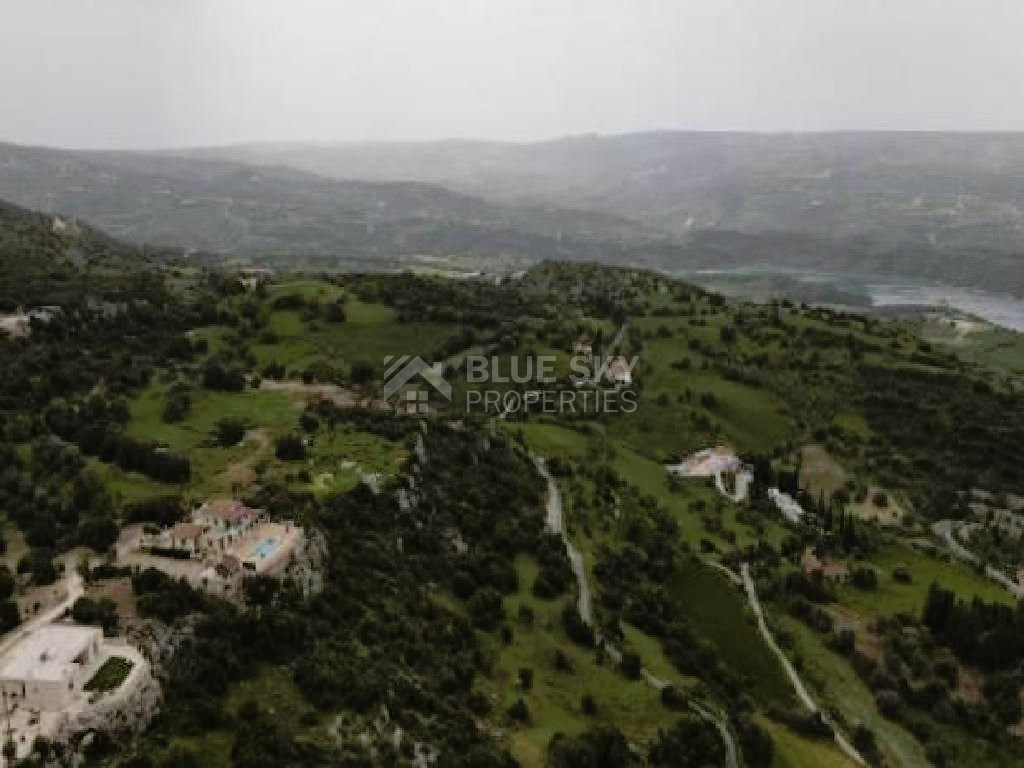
149, 73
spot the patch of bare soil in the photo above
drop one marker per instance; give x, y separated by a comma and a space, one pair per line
119, 591
890, 514
310, 393
243, 472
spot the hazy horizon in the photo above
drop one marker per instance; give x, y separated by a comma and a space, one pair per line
119, 74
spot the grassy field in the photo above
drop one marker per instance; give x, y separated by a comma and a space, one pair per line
717, 611
892, 597
336, 461
271, 412
795, 751
370, 333
339, 459
555, 696
819, 472
110, 675
838, 689
649, 477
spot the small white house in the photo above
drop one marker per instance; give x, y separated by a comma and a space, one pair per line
48, 666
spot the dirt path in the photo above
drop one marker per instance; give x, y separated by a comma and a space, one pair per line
743, 480
794, 677
340, 396
945, 529
75, 589
556, 524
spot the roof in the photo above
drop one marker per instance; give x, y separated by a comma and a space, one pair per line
228, 510
830, 569
48, 653
618, 369
186, 531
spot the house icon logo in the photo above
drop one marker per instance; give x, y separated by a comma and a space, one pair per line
398, 371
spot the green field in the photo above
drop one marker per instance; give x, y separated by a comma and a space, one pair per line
554, 699
892, 597
838, 689
110, 675
717, 611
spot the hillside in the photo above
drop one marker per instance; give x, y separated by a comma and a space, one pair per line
48, 259
946, 188
233, 209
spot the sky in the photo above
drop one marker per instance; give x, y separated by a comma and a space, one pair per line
176, 73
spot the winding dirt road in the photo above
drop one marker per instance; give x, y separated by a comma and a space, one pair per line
556, 524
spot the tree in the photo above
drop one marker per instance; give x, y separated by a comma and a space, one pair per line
631, 665
10, 616
519, 711
525, 678
6, 582
864, 577
260, 590
362, 373
290, 448
229, 432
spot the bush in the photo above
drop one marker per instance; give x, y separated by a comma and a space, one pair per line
889, 704
588, 705
229, 432
216, 376
362, 373
519, 711
290, 448
485, 609
864, 578
39, 563
6, 582
577, 631
164, 511
672, 698
631, 665
525, 678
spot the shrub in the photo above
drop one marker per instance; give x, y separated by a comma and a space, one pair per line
229, 432
519, 711
864, 578
290, 448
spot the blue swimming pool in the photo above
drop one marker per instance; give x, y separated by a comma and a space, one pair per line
265, 548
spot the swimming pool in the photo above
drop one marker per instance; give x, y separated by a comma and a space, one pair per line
265, 548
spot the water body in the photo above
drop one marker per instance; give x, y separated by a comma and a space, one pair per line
1002, 309
999, 309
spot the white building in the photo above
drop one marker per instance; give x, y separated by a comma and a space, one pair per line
787, 505
708, 462
48, 667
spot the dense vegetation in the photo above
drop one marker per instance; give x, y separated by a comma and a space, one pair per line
447, 611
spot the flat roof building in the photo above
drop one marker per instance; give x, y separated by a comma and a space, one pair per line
47, 667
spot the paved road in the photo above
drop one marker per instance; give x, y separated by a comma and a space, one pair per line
556, 524
743, 479
946, 530
75, 589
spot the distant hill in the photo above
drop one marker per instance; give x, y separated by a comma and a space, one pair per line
939, 189
939, 207
230, 208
